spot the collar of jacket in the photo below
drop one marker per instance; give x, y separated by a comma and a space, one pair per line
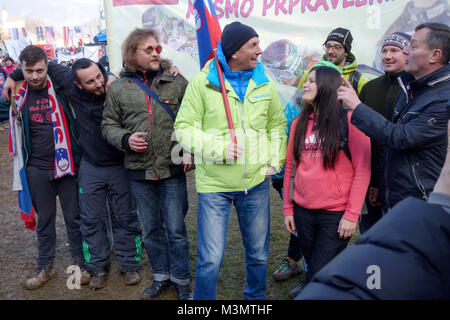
393, 76
257, 74
350, 63
440, 75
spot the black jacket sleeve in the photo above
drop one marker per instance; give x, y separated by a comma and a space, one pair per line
415, 133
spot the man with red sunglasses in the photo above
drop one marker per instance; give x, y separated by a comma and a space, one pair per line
138, 120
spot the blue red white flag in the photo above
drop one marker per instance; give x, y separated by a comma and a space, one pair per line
20, 183
208, 30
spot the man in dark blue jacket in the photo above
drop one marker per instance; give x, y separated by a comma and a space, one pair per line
405, 255
415, 141
102, 177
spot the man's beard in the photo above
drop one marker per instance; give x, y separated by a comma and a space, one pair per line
95, 94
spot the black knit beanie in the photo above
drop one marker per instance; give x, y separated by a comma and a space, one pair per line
343, 36
234, 35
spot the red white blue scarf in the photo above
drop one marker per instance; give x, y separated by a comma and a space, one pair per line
63, 156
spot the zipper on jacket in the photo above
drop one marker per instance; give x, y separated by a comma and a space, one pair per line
419, 184
243, 129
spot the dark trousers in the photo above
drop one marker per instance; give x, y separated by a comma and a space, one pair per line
294, 249
370, 218
100, 186
319, 239
44, 189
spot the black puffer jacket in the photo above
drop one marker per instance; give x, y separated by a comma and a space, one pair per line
415, 142
405, 255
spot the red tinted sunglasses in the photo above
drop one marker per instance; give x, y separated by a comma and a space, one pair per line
150, 49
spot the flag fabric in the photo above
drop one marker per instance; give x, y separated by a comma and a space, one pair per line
24, 32
71, 42
208, 36
49, 35
14, 34
66, 36
208, 30
20, 183
40, 34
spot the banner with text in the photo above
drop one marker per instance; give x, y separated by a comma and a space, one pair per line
291, 32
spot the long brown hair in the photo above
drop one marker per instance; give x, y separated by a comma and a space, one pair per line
327, 110
129, 46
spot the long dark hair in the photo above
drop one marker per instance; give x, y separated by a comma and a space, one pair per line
327, 112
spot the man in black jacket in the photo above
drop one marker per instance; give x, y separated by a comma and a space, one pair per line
415, 141
403, 256
380, 94
102, 177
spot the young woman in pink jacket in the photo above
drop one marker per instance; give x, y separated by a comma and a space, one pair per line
324, 189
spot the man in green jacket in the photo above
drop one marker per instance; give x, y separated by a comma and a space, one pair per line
338, 46
226, 172
140, 124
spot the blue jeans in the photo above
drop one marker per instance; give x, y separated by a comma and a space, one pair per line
212, 225
162, 207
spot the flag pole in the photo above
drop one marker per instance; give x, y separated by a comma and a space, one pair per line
225, 98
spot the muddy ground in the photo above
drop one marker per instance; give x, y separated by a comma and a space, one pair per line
18, 251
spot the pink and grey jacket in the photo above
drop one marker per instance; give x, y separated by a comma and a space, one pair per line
311, 186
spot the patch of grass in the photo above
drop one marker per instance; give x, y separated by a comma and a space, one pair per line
232, 277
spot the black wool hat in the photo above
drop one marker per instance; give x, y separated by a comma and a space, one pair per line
343, 36
234, 35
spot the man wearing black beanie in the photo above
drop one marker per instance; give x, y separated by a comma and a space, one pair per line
338, 47
229, 173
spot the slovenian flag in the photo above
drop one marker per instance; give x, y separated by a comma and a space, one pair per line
20, 183
208, 30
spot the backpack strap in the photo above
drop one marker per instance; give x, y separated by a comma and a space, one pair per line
154, 96
343, 134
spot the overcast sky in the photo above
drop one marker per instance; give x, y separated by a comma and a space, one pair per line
54, 12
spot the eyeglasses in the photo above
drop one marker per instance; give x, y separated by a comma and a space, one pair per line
150, 49
336, 47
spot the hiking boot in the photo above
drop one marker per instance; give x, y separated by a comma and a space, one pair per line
85, 277
156, 289
42, 276
184, 292
98, 281
131, 278
287, 269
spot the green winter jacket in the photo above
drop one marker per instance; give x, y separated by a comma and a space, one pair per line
350, 66
129, 109
201, 128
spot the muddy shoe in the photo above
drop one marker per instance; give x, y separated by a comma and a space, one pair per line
98, 281
184, 292
156, 289
40, 279
85, 277
131, 278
